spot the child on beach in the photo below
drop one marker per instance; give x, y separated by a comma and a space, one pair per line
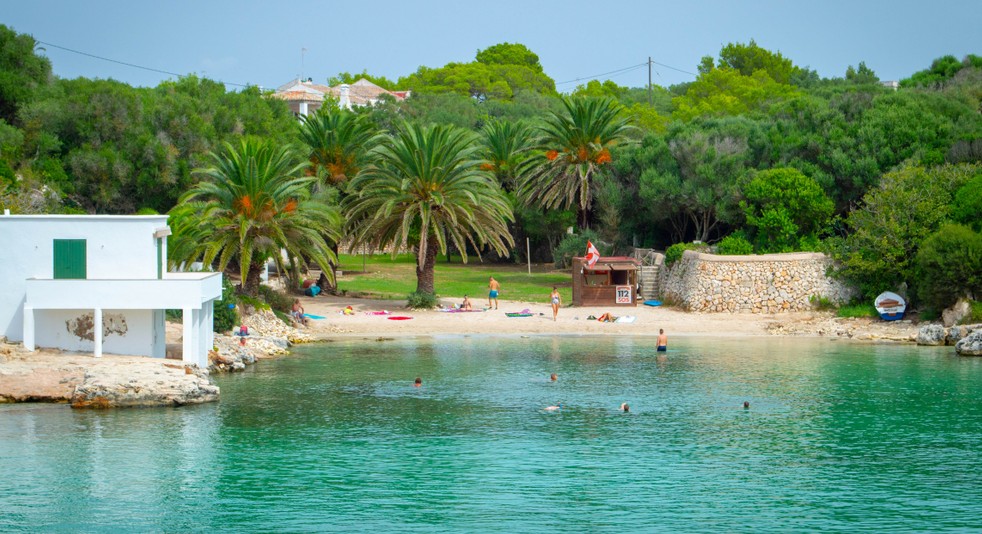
556, 302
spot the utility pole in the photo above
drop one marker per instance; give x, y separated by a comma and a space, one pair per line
649, 82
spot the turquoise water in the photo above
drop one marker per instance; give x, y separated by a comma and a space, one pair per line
838, 437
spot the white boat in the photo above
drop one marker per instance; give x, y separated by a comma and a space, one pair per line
890, 306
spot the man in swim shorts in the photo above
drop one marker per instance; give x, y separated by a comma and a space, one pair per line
494, 287
662, 340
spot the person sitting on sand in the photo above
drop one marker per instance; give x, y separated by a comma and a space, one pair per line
298, 313
466, 305
606, 318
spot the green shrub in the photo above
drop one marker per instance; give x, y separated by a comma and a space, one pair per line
420, 300
821, 303
782, 206
146, 211
734, 245
277, 300
929, 314
857, 310
975, 313
674, 252
226, 315
967, 207
948, 266
573, 246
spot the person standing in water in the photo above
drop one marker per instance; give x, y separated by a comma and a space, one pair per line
493, 287
556, 302
662, 340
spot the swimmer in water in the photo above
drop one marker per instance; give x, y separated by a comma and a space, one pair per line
418, 382
553, 377
625, 408
746, 405
553, 408
662, 340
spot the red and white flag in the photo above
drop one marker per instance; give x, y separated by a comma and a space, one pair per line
592, 254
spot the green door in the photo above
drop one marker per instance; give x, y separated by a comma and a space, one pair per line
69, 259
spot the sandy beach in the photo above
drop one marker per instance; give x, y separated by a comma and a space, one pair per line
573, 321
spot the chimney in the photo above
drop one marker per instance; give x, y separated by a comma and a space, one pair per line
345, 100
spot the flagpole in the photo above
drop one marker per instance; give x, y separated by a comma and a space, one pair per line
528, 254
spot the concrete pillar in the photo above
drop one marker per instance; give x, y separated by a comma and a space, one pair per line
202, 355
159, 347
29, 328
303, 109
97, 332
209, 324
189, 343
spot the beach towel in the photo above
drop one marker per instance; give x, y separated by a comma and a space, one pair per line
398, 318
383, 312
652, 303
626, 319
312, 316
518, 314
457, 310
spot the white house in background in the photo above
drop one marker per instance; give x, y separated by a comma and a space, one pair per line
99, 283
305, 96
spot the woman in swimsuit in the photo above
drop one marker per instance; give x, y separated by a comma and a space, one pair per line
556, 301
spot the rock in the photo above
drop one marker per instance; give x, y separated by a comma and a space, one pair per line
105, 388
970, 345
955, 313
932, 334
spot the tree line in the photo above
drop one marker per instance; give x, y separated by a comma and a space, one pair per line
756, 154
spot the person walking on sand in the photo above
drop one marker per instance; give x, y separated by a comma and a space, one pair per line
493, 287
556, 302
662, 340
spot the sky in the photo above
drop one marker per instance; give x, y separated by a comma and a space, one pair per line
261, 42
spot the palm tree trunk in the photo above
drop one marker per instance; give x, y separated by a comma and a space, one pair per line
251, 283
424, 275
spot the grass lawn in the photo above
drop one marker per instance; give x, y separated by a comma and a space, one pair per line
386, 278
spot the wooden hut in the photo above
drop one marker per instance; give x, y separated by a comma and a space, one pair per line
612, 281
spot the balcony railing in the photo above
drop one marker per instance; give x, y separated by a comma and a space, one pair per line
174, 291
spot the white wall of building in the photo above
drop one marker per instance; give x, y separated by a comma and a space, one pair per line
55, 329
116, 247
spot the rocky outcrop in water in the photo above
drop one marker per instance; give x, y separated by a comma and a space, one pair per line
935, 334
970, 345
170, 385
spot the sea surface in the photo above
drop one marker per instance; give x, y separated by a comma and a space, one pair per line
838, 437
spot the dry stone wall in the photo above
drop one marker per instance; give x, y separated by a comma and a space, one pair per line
768, 283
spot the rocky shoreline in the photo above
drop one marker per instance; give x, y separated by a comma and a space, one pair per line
112, 381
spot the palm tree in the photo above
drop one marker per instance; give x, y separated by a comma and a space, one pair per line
506, 144
575, 146
253, 204
428, 189
338, 142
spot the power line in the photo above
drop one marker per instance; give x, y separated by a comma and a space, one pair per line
673, 68
625, 69
135, 66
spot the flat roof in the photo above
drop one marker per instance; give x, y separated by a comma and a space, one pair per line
65, 217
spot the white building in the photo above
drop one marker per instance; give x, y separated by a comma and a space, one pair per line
306, 97
99, 283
